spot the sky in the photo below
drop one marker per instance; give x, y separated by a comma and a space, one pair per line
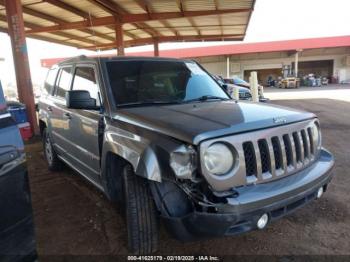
271, 20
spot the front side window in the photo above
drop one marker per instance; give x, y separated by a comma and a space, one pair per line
137, 81
85, 79
63, 83
50, 81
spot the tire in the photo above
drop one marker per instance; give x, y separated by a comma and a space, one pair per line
53, 162
141, 215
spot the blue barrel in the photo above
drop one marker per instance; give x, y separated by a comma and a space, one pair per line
18, 112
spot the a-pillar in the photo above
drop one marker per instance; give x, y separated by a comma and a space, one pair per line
20, 57
119, 36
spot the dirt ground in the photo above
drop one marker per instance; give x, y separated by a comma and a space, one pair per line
72, 217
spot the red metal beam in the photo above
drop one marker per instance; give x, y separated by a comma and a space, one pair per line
118, 11
109, 7
20, 56
89, 18
131, 18
193, 24
60, 21
69, 8
144, 4
162, 39
61, 34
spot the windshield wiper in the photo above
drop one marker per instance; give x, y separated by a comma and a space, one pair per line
206, 98
148, 103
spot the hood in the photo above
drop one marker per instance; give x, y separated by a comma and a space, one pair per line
243, 89
195, 122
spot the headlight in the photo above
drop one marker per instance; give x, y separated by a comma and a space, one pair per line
183, 162
219, 159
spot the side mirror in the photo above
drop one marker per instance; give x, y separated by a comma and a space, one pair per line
80, 99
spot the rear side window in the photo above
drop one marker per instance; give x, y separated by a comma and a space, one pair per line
50, 81
85, 79
63, 83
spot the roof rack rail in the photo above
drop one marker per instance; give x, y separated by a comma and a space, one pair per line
74, 59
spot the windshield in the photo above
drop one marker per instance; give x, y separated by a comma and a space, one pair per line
142, 82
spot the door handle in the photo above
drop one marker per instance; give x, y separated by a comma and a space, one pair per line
49, 108
67, 115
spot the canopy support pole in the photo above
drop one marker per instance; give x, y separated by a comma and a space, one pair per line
119, 36
20, 56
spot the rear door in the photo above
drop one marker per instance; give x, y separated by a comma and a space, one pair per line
84, 124
60, 120
46, 102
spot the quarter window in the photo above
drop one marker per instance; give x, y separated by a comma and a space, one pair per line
64, 81
85, 79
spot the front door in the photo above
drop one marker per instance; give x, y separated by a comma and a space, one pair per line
84, 125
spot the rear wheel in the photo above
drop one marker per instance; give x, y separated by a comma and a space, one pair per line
51, 157
141, 214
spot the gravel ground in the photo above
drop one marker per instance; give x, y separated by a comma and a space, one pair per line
73, 218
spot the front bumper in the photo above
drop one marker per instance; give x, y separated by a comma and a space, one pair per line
240, 214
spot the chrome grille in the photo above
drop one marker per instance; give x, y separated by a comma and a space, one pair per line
267, 154
250, 160
277, 152
279, 155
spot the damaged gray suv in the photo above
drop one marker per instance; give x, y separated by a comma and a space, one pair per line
161, 138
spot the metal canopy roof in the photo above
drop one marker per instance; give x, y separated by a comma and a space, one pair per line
91, 24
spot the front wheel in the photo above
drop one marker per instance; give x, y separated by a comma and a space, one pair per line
141, 214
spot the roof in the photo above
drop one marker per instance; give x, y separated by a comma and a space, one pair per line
107, 58
235, 49
91, 24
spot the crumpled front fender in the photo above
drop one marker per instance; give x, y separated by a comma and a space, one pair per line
134, 149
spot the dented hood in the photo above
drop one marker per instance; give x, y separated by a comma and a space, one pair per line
194, 122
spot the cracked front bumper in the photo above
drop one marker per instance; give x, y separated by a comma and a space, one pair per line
240, 214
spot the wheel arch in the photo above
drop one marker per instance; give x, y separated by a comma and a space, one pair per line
42, 126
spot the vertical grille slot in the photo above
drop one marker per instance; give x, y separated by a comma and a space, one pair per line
264, 155
288, 147
309, 132
277, 151
297, 146
305, 144
250, 159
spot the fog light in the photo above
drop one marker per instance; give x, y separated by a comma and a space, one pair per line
262, 222
319, 192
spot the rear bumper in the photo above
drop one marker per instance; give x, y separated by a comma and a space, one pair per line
240, 214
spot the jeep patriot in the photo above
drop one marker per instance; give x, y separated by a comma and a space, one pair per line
162, 139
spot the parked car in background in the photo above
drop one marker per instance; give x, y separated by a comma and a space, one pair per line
17, 242
163, 139
240, 82
243, 92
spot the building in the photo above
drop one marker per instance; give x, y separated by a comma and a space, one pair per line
329, 57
